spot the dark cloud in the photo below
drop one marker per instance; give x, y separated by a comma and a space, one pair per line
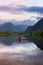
22, 8
34, 9
8, 9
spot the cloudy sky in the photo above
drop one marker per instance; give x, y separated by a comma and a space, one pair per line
21, 11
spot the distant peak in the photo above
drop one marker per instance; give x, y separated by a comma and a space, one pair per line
9, 23
41, 19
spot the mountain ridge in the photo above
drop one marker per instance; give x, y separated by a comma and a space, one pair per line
10, 27
37, 26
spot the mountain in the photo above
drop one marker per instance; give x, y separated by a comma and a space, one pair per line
28, 22
37, 26
6, 27
21, 28
9, 27
25, 22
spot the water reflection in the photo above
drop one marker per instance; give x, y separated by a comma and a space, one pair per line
37, 42
12, 45
7, 40
16, 39
12, 39
24, 50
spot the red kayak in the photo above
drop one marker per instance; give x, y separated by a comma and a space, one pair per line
21, 39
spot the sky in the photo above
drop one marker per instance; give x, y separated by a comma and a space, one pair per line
21, 11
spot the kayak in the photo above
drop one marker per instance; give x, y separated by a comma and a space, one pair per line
21, 39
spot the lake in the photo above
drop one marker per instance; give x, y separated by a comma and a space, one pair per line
13, 52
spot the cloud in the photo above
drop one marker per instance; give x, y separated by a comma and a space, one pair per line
34, 9
20, 8
18, 17
8, 9
15, 9
20, 13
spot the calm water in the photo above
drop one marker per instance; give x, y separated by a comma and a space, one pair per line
22, 51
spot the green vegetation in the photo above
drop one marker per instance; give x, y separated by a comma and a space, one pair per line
12, 34
7, 34
37, 34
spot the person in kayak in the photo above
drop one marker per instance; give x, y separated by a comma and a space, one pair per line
19, 39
